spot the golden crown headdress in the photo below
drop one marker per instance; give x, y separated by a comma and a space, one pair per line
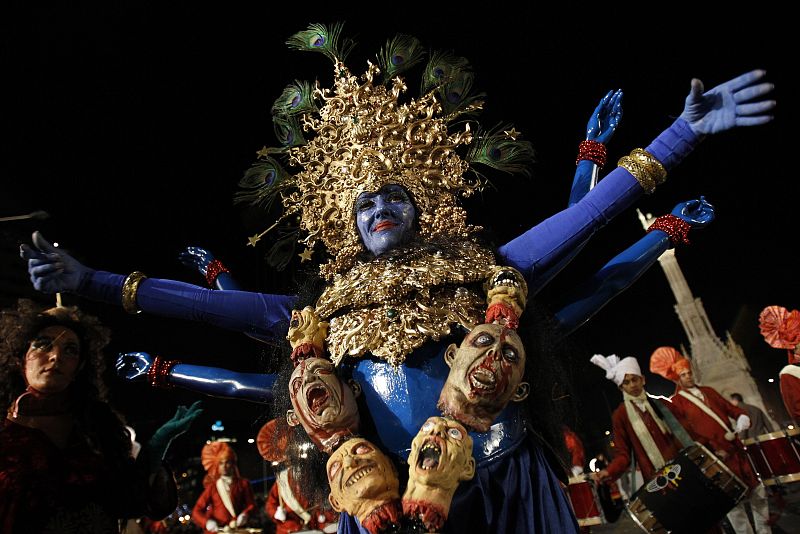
362, 137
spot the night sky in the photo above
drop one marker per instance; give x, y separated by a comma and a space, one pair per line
131, 125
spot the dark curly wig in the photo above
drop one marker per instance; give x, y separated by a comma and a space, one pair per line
102, 427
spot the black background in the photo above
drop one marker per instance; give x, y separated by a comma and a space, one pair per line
130, 124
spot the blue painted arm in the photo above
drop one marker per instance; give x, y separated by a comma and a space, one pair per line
736, 103
259, 315
212, 381
601, 127
588, 298
548, 243
198, 259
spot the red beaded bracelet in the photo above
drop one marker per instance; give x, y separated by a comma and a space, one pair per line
158, 374
676, 229
594, 151
212, 271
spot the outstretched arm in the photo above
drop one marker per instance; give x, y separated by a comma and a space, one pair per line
212, 381
204, 262
599, 130
261, 315
618, 274
727, 106
591, 157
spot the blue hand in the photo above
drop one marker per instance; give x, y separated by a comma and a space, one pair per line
52, 270
698, 213
196, 258
728, 105
605, 118
133, 365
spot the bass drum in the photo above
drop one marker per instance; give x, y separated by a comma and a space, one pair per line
775, 457
584, 501
690, 494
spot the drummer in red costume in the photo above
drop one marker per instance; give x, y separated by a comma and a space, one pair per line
706, 415
575, 449
228, 499
781, 330
638, 427
286, 506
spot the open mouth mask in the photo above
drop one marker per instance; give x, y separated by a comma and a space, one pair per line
486, 373
323, 403
441, 457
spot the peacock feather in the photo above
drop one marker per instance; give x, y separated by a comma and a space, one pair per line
282, 251
500, 149
262, 182
400, 54
288, 130
320, 38
296, 98
456, 95
442, 67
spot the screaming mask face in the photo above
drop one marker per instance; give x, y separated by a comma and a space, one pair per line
323, 403
485, 374
441, 455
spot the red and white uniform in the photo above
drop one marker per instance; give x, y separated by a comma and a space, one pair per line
210, 504
790, 390
625, 439
706, 430
574, 447
299, 515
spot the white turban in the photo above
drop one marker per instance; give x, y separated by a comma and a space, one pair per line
615, 368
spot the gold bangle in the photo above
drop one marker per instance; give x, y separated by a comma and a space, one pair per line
654, 167
639, 172
129, 289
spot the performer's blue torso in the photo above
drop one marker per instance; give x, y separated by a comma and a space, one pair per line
400, 399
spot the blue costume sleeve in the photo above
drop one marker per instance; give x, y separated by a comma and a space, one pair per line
258, 314
588, 298
216, 382
547, 244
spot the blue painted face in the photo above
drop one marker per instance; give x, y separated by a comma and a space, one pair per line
385, 219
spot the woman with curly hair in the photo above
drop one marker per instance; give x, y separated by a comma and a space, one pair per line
65, 454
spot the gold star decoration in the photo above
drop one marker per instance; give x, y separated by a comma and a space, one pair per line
264, 152
251, 241
305, 255
512, 134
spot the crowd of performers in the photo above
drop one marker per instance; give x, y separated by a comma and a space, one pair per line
415, 394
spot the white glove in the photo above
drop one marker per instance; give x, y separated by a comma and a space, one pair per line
577, 470
241, 520
742, 423
280, 513
212, 526
331, 529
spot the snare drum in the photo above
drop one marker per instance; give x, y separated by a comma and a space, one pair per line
775, 457
690, 494
583, 496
